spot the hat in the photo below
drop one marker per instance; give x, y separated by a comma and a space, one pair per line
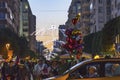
93, 67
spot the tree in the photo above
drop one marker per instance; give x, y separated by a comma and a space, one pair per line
19, 45
103, 40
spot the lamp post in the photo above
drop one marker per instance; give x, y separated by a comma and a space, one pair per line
9, 52
7, 46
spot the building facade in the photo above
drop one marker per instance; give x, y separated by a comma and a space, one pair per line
81, 7
115, 8
27, 24
15, 7
74, 9
94, 14
103, 11
40, 47
85, 17
98, 15
9, 14
62, 35
24, 19
32, 36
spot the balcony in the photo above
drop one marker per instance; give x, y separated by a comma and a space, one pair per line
85, 12
5, 8
86, 20
85, 4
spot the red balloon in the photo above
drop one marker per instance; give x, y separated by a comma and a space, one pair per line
74, 21
67, 39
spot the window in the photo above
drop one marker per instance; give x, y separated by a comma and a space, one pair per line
108, 2
2, 15
25, 30
100, 1
119, 6
25, 16
25, 23
100, 10
2, 25
112, 69
25, 8
108, 11
2, 4
85, 71
101, 20
115, 3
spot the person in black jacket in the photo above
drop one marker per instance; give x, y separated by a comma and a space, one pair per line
4, 70
12, 70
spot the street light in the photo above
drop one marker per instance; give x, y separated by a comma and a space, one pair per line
7, 46
9, 52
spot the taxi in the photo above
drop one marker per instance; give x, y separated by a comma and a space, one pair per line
104, 69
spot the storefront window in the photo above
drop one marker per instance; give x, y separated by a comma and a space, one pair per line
2, 4
2, 15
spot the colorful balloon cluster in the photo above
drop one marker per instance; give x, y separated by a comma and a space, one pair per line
76, 19
73, 41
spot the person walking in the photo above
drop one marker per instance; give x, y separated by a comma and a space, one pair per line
38, 68
54, 68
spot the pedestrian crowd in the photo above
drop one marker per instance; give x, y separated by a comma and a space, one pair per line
14, 71
45, 69
26, 70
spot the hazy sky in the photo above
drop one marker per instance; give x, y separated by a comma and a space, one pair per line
50, 12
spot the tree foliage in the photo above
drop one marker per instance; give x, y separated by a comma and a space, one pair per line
19, 45
103, 40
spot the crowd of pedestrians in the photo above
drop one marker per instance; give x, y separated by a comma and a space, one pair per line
14, 71
26, 70
45, 69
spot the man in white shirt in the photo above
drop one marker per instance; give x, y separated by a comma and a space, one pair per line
38, 68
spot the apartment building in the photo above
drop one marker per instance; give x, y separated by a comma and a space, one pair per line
85, 17
15, 7
9, 14
115, 8
32, 30
98, 15
81, 7
27, 24
74, 9
62, 35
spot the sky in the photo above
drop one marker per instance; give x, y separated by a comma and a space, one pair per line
49, 13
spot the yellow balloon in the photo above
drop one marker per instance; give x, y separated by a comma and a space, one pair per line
97, 57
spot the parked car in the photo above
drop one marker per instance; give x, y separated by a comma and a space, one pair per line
106, 69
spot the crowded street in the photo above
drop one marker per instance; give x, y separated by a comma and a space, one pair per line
59, 39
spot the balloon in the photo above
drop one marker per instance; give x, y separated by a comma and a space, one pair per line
69, 31
78, 38
76, 32
80, 41
73, 37
74, 21
67, 39
78, 16
73, 42
70, 46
